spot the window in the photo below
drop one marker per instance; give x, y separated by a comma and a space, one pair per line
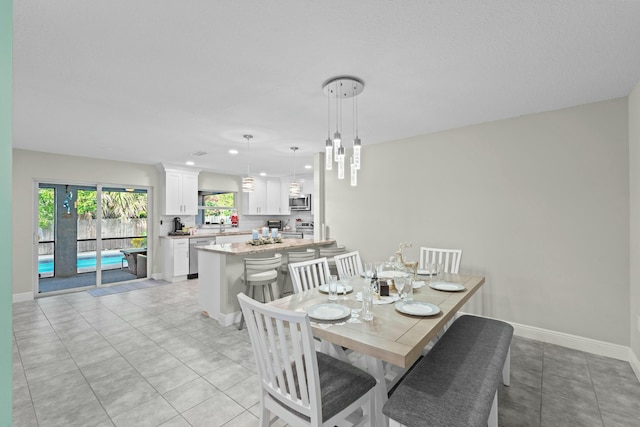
215, 207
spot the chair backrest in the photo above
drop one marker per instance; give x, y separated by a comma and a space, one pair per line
310, 274
348, 264
449, 258
283, 346
307, 255
257, 265
330, 252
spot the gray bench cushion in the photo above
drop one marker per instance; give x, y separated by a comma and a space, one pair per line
455, 383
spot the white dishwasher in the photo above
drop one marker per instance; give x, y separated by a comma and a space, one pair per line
193, 253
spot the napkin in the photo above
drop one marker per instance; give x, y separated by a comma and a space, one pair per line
382, 300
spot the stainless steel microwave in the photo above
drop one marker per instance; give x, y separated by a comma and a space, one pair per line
300, 203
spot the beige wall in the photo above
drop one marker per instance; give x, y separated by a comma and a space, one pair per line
539, 204
30, 165
634, 179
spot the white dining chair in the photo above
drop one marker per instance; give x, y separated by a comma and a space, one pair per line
348, 264
310, 274
449, 258
297, 384
330, 253
260, 272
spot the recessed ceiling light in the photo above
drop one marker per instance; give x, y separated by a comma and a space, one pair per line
308, 166
263, 174
189, 163
233, 151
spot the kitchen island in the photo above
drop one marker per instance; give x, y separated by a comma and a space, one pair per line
220, 268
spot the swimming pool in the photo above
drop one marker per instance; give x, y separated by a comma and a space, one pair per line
86, 262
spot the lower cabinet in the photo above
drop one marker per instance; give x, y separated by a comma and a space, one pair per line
175, 254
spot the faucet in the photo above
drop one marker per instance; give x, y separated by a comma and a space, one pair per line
221, 225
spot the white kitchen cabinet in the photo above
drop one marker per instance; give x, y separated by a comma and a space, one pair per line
180, 192
255, 203
175, 254
268, 198
284, 198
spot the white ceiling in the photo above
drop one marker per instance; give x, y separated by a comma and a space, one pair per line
153, 81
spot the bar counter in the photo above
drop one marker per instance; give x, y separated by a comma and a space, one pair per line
221, 265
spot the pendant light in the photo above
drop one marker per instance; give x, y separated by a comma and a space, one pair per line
294, 186
339, 88
248, 183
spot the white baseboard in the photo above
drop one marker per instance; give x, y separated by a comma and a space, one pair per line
229, 319
157, 276
575, 342
21, 297
635, 363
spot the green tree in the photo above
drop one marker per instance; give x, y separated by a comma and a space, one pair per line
46, 208
119, 204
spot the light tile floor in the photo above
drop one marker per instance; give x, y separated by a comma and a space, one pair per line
149, 358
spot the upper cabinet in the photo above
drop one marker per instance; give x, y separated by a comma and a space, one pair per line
180, 192
267, 198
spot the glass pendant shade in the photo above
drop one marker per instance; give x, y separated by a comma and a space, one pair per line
354, 173
294, 189
329, 155
341, 163
337, 143
357, 147
248, 184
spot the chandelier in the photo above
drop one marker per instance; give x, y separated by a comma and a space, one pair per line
339, 88
248, 183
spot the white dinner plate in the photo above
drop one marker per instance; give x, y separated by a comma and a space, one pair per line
447, 286
426, 272
325, 288
391, 274
417, 308
417, 284
328, 311
377, 300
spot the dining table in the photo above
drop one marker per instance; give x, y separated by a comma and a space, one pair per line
392, 341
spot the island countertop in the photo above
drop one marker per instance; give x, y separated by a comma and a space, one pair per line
242, 249
204, 234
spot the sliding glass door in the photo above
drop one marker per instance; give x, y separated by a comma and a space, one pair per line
90, 235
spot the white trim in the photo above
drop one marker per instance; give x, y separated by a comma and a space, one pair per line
22, 297
229, 319
635, 363
575, 342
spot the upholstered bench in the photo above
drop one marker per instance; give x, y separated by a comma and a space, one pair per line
456, 383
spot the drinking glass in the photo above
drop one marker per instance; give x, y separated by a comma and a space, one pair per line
400, 283
333, 287
368, 270
440, 271
408, 289
367, 302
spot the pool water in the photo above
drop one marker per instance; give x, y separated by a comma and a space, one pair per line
85, 262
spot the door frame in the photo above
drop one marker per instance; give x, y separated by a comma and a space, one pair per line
99, 186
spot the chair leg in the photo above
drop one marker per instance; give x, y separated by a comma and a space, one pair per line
506, 369
271, 290
242, 314
493, 415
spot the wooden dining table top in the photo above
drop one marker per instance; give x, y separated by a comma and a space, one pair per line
391, 336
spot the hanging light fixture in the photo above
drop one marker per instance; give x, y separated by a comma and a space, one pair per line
248, 183
339, 88
294, 186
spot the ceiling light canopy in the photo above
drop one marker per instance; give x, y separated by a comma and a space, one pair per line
339, 88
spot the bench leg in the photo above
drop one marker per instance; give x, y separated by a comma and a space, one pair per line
493, 415
506, 369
